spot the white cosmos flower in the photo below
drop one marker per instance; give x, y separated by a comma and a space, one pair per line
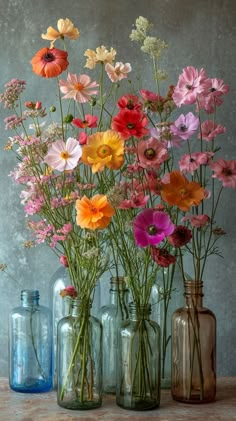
64, 156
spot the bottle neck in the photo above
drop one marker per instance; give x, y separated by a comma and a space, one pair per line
118, 291
139, 312
78, 309
193, 292
29, 298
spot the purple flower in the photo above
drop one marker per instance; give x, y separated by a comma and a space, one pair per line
185, 126
151, 227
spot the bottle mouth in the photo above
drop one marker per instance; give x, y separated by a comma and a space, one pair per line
140, 311
193, 287
118, 283
29, 294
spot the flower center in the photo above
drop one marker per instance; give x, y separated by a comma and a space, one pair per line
48, 57
183, 128
152, 230
189, 87
65, 155
93, 210
103, 151
130, 126
212, 90
227, 172
149, 153
183, 192
78, 86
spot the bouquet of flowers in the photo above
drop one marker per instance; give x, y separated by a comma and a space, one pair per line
103, 179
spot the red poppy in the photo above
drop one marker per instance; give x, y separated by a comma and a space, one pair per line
130, 123
49, 62
162, 257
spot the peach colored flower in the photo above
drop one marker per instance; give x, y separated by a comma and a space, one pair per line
65, 29
94, 213
117, 72
197, 221
181, 192
104, 149
78, 87
101, 55
49, 62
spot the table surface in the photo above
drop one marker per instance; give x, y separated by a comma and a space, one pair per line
37, 407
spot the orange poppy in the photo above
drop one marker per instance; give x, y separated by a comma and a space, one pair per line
94, 213
49, 62
182, 192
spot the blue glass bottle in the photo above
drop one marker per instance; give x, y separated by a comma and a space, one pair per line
30, 345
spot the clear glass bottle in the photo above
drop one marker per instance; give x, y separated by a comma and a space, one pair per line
30, 345
61, 307
138, 372
79, 359
111, 317
193, 349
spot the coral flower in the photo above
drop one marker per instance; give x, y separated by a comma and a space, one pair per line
181, 192
80, 87
197, 221
130, 123
64, 156
49, 62
151, 153
225, 171
209, 130
151, 227
69, 291
101, 55
89, 121
104, 149
162, 257
94, 213
190, 163
65, 29
130, 102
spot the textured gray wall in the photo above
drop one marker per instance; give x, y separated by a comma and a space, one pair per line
200, 33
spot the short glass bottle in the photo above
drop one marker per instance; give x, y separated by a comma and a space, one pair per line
79, 359
138, 372
111, 317
30, 345
193, 349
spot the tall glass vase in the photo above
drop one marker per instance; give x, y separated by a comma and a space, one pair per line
111, 317
193, 349
30, 345
79, 359
61, 307
166, 296
138, 376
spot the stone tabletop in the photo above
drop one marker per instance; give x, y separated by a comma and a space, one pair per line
37, 407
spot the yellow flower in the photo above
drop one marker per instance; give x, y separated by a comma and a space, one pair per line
65, 29
104, 149
101, 55
94, 213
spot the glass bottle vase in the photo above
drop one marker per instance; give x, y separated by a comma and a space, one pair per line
138, 372
193, 349
111, 317
30, 345
79, 359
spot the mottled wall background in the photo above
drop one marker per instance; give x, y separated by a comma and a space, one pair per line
200, 33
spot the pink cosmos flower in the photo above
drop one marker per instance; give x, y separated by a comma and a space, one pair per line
89, 121
162, 257
225, 171
212, 97
185, 126
148, 95
64, 156
78, 87
151, 153
191, 162
137, 200
209, 130
151, 227
117, 72
167, 138
191, 83
197, 221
